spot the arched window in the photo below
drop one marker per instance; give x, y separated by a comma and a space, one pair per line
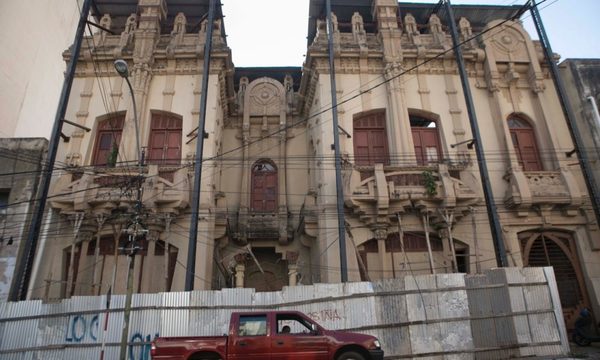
264, 186
108, 137
523, 139
426, 140
164, 146
370, 139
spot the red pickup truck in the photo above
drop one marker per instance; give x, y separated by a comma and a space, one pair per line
270, 335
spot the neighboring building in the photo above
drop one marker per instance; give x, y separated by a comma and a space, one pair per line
268, 203
582, 82
33, 36
20, 171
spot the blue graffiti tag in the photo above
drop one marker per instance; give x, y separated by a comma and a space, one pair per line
144, 347
78, 328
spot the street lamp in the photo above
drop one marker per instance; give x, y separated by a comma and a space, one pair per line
135, 229
123, 71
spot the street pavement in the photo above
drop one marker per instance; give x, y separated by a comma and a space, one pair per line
584, 352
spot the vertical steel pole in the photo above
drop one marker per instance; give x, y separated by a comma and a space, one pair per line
336, 145
568, 112
191, 258
496, 229
22, 273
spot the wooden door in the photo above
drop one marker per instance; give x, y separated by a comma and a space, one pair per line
164, 146
427, 145
523, 139
108, 136
526, 148
370, 140
264, 187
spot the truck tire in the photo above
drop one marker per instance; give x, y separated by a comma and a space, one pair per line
205, 356
580, 339
351, 355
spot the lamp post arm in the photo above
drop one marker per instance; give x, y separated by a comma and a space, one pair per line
135, 121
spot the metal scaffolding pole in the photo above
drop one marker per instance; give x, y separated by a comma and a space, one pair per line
23, 267
568, 112
191, 258
336, 145
483, 170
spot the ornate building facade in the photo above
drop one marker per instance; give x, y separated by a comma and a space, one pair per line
412, 190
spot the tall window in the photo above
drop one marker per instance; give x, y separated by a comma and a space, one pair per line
426, 140
108, 137
523, 139
264, 186
370, 139
164, 146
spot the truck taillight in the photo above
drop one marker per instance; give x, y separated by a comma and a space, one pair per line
153, 349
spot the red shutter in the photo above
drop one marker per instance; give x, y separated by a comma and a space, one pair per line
164, 146
370, 140
427, 145
264, 191
526, 148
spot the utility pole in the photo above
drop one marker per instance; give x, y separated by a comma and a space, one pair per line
191, 258
336, 146
495, 227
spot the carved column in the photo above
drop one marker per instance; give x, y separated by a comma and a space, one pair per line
399, 134
240, 269
77, 221
152, 13
381, 236
100, 219
292, 259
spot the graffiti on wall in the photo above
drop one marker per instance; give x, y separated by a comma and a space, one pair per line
325, 315
85, 328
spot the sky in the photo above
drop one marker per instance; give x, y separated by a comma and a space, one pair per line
273, 32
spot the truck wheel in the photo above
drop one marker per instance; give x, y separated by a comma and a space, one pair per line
580, 340
351, 355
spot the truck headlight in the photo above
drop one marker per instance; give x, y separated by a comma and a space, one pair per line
377, 344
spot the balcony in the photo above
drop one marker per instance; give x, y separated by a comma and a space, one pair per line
387, 190
110, 188
542, 189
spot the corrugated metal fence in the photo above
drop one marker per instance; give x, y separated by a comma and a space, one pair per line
504, 313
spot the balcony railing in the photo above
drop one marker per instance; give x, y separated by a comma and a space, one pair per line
111, 187
552, 188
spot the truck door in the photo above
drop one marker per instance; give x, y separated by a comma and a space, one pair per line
250, 339
293, 339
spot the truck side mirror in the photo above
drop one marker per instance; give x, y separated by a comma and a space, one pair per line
313, 329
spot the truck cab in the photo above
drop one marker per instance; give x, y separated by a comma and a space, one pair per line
271, 335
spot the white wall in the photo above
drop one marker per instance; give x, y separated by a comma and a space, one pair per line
34, 35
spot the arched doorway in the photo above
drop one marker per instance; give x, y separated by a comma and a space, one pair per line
557, 249
264, 186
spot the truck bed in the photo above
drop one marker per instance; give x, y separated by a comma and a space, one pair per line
182, 347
